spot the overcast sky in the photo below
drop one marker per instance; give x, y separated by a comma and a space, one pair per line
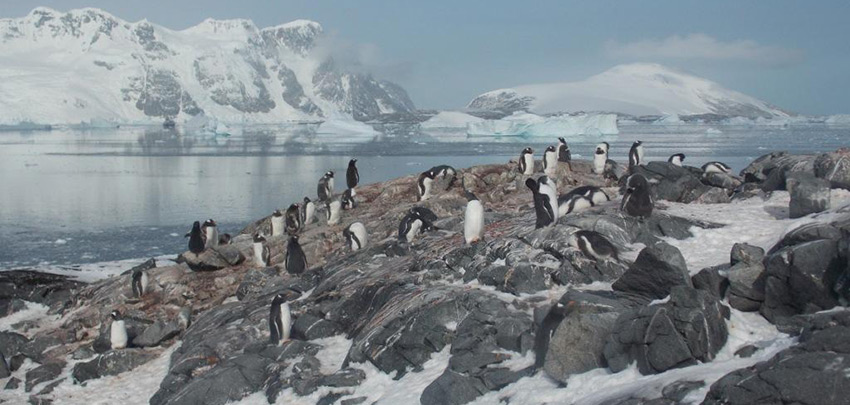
793, 54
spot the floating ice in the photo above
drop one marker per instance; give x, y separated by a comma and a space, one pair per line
531, 125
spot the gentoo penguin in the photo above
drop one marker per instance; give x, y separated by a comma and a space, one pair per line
427, 216
564, 154
117, 331
716, 167
196, 239
139, 283
210, 233
473, 219
445, 171
424, 183
355, 235
278, 223
280, 320
553, 319
550, 161
295, 261
677, 159
547, 187
347, 200
600, 158
308, 211
409, 227
636, 154
332, 211
325, 189
225, 239
570, 203
352, 176
184, 318
542, 207
637, 201
293, 219
595, 194
526, 162
262, 253
594, 246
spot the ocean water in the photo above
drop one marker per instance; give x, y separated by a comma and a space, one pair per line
83, 196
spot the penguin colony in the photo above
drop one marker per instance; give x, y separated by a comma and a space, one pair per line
549, 206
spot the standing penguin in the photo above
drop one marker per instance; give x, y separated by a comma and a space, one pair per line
196, 239
564, 154
347, 199
716, 167
473, 219
293, 219
262, 253
550, 161
352, 176
210, 233
600, 158
526, 162
355, 235
332, 211
308, 211
325, 189
117, 331
595, 194
542, 208
278, 223
637, 201
636, 154
295, 260
410, 226
677, 159
444, 172
547, 187
424, 183
280, 320
594, 245
139, 282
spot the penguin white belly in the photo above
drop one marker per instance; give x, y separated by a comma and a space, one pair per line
640, 155
426, 188
599, 197
360, 232
415, 226
333, 217
551, 159
473, 221
212, 237
599, 163
258, 255
309, 213
285, 321
118, 335
277, 226
529, 164
144, 283
578, 204
330, 187
676, 161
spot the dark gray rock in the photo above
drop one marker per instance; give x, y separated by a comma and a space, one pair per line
710, 279
11, 343
43, 373
349, 377
657, 269
4, 368
522, 278
720, 180
231, 380
353, 401
746, 351
746, 278
760, 169
157, 333
146, 265
111, 363
743, 252
213, 259
809, 194
309, 327
254, 282
52, 290
13, 384
807, 233
835, 168
452, 388
10, 306
577, 344
678, 390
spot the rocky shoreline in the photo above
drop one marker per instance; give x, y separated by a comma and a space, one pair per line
521, 303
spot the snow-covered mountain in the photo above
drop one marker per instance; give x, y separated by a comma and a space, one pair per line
635, 89
89, 66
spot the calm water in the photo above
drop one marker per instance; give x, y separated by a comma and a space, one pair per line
73, 197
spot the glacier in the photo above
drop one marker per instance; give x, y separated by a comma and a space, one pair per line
531, 125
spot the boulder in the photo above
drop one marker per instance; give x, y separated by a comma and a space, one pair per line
720, 180
713, 280
111, 363
809, 194
11, 343
452, 388
4, 367
230, 381
213, 259
43, 373
52, 290
12, 384
157, 333
834, 167
657, 269
309, 327
672, 183
760, 169
746, 278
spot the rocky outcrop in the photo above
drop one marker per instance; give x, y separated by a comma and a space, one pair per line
656, 271
687, 184
111, 363
809, 194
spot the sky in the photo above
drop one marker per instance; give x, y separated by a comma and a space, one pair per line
793, 54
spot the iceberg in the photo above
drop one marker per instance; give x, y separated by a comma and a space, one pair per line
840, 119
526, 125
446, 120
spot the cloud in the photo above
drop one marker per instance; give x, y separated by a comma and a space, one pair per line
366, 58
702, 46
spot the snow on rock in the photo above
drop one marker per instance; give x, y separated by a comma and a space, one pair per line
530, 125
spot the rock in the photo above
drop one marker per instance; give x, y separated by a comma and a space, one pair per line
743, 252
11, 343
4, 368
577, 344
353, 401
111, 363
678, 390
213, 259
43, 373
710, 279
13, 384
780, 162
721, 180
452, 388
331, 398
834, 167
157, 333
309, 327
522, 278
349, 377
230, 381
807, 233
746, 286
84, 352
254, 282
657, 269
672, 183
806, 324
52, 290
147, 265
10, 306
809, 194
746, 351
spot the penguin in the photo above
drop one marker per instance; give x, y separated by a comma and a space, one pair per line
716, 167
526, 162
225, 239
280, 320
278, 223
308, 211
347, 199
564, 154
210, 233
550, 161
293, 219
427, 216
595, 194
184, 318
139, 283
117, 331
352, 176
570, 203
473, 219
262, 252
409, 227
325, 189
295, 260
600, 157
637, 201
196, 239
332, 211
355, 235
547, 187
677, 159
426, 179
594, 245
636, 154
542, 207
444, 171
553, 319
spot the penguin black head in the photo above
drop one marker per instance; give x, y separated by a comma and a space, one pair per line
527, 150
329, 174
259, 238
429, 174
562, 140
196, 226
352, 162
278, 299
277, 213
637, 143
293, 238
531, 184
115, 315
209, 222
294, 206
636, 182
469, 195
306, 200
550, 148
